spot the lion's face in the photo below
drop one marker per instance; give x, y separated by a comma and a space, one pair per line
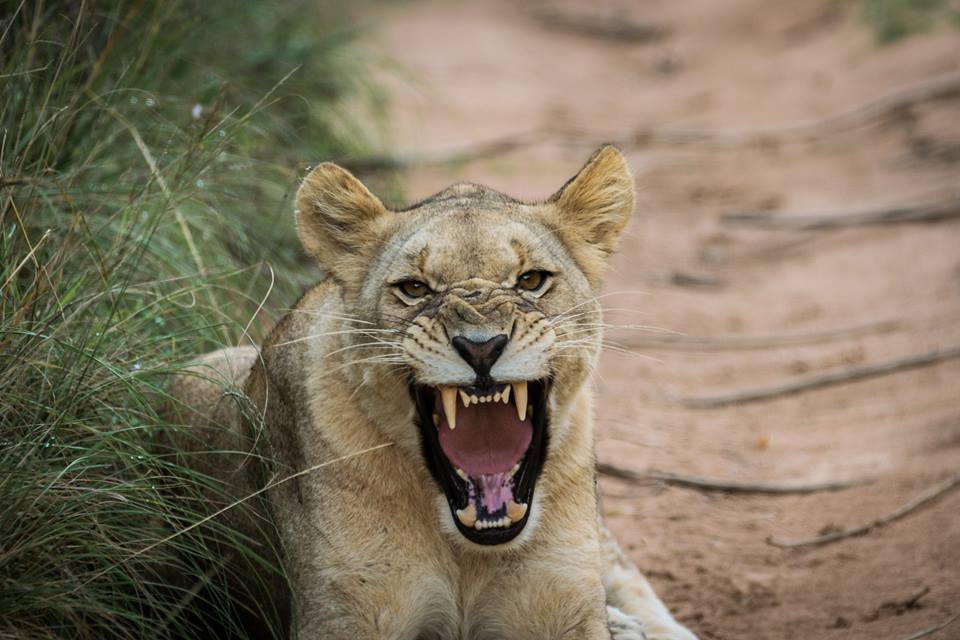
487, 308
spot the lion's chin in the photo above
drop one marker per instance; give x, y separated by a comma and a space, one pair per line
485, 447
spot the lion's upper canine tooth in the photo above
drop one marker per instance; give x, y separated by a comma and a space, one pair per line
516, 511
464, 398
449, 396
467, 515
520, 398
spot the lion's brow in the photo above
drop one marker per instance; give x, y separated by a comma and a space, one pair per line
418, 258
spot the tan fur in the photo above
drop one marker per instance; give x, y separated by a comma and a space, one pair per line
369, 542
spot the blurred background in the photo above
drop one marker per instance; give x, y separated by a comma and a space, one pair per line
779, 408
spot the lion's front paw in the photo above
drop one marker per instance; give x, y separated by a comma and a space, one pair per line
672, 631
627, 627
624, 627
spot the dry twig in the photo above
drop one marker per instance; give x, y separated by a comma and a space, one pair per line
938, 88
455, 155
930, 494
930, 631
934, 212
680, 342
925, 91
819, 381
619, 27
722, 486
929, 90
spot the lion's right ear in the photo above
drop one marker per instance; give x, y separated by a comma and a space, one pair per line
336, 215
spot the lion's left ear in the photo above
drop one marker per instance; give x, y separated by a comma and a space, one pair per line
595, 205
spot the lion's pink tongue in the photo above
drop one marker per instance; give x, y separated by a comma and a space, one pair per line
489, 438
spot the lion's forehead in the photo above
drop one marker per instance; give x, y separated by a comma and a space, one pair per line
461, 245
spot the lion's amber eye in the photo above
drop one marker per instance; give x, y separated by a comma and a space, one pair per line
413, 288
532, 280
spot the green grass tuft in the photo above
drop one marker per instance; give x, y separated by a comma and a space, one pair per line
148, 152
893, 20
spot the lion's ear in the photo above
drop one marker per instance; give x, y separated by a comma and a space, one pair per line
595, 205
336, 215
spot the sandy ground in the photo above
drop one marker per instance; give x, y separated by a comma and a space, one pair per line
472, 72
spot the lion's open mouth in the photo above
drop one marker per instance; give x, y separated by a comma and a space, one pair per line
485, 447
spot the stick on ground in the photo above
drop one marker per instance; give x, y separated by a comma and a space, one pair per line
819, 381
722, 486
450, 156
681, 342
938, 88
925, 213
926, 632
617, 27
927, 496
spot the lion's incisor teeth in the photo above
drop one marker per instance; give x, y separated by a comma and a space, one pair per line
449, 396
505, 395
520, 398
468, 515
464, 398
516, 511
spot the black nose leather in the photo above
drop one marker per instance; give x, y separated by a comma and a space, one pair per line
480, 355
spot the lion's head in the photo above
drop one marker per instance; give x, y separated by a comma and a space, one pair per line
485, 308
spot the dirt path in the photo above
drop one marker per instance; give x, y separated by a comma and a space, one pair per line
477, 71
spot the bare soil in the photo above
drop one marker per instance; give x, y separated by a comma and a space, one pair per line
470, 72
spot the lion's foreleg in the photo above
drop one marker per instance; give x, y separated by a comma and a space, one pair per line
630, 596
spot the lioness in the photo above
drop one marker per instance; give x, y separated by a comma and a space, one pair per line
462, 332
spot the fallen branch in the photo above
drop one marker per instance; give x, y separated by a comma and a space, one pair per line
898, 607
451, 156
723, 486
615, 26
935, 628
819, 381
686, 279
939, 88
935, 212
933, 89
915, 503
682, 342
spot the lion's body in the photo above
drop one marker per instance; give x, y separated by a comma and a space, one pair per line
369, 546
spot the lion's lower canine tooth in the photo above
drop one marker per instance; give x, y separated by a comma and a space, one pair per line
449, 397
516, 511
520, 397
468, 515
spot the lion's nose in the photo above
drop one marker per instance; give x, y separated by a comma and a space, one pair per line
481, 355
